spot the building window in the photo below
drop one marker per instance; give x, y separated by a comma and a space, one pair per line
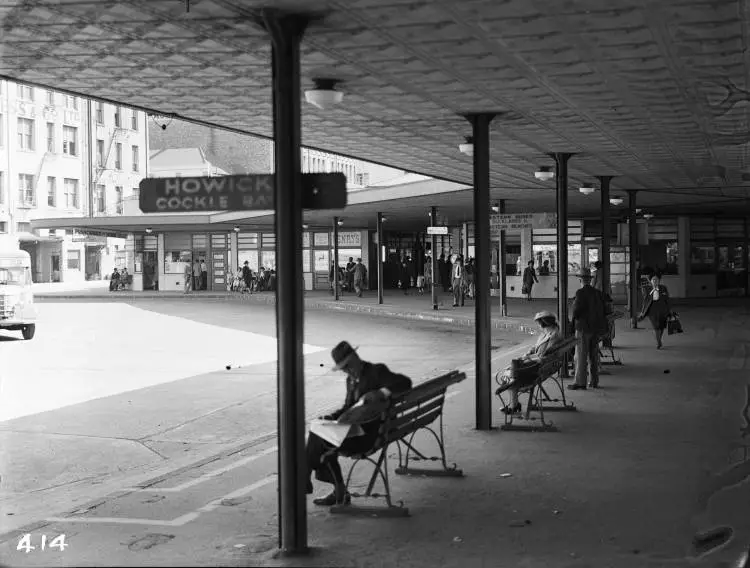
51, 98
74, 260
70, 136
118, 156
25, 93
3, 227
71, 102
71, 193
100, 113
23, 227
136, 192
135, 158
100, 153
51, 191
118, 196
118, 114
100, 199
134, 120
51, 137
25, 134
26, 190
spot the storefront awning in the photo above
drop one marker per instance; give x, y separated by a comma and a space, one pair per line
26, 237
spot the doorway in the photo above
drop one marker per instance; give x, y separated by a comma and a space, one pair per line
55, 268
200, 277
150, 270
731, 277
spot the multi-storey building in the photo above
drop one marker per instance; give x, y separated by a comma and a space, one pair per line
64, 156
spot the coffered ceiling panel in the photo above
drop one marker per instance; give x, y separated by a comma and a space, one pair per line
654, 92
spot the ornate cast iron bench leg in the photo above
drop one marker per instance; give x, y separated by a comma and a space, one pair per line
403, 456
381, 468
534, 404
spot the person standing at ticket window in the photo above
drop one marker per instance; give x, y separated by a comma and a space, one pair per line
204, 275
188, 273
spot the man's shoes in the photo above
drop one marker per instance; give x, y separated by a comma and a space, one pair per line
575, 387
330, 500
594, 385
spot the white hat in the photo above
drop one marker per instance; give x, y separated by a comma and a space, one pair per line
544, 314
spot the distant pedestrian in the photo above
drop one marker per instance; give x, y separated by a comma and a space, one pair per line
590, 320
197, 275
358, 273
656, 307
597, 280
247, 276
350, 274
458, 281
204, 275
529, 279
188, 274
544, 268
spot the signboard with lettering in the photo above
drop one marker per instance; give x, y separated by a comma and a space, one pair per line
517, 221
350, 239
437, 230
236, 193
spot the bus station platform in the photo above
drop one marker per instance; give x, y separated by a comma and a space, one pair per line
619, 485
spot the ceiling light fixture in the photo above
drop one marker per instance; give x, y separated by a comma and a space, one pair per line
496, 208
468, 146
340, 222
587, 188
236, 228
324, 95
305, 226
616, 201
149, 230
544, 173
648, 216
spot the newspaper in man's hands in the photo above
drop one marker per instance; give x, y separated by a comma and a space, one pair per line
334, 432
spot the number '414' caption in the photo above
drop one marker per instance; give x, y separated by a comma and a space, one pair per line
57, 542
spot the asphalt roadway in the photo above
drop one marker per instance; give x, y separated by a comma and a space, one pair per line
115, 395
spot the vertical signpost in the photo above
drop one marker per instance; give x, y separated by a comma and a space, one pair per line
335, 258
433, 258
380, 257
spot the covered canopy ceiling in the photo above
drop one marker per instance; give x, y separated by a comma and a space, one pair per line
654, 92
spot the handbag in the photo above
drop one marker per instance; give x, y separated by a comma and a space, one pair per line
673, 324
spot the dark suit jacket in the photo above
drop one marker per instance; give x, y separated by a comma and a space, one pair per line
589, 311
374, 377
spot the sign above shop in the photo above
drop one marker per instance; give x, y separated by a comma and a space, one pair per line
517, 221
252, 192
437, 230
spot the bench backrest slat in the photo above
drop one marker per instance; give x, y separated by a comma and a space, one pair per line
424, 420
414, 413
432, 386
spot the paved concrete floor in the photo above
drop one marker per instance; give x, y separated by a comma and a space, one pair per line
616, 487
108, 396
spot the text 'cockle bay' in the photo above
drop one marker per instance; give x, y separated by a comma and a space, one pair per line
236, 193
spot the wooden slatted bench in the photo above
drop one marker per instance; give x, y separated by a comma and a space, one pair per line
549, 369
416, 410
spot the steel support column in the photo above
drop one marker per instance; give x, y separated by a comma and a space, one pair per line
433, 258
632, 255
335, 258
480, 123
501, 266
286, 33
604, 182
380, 257
561, 177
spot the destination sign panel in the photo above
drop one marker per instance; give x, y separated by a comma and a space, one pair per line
251, 192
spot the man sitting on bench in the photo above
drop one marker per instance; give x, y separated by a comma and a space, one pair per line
523, 371
374, 384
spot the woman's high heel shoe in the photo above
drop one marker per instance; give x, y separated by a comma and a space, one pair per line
512, 409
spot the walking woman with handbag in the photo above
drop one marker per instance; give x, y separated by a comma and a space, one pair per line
656, 307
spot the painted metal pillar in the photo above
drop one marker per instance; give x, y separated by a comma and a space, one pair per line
561, 177
501, 266
380, 257
480, 124
604, 183
633, 253
286, 33
433, 258
335, 258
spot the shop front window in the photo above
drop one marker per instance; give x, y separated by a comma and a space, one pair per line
175, 260
548, 252
702, 259
672, 253
251, 256
268, 259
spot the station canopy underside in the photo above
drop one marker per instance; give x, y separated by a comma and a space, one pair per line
653, 92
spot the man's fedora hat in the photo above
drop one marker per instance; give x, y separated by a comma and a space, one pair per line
341, 354
585, 274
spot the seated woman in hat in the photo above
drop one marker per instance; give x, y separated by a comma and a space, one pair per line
373, 383
524, 370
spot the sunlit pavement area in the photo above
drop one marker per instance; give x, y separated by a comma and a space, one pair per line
176, 466
109, 394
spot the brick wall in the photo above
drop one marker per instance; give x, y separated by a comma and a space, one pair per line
235, 153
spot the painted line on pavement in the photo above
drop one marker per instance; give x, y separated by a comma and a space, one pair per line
177, 522
205, 476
